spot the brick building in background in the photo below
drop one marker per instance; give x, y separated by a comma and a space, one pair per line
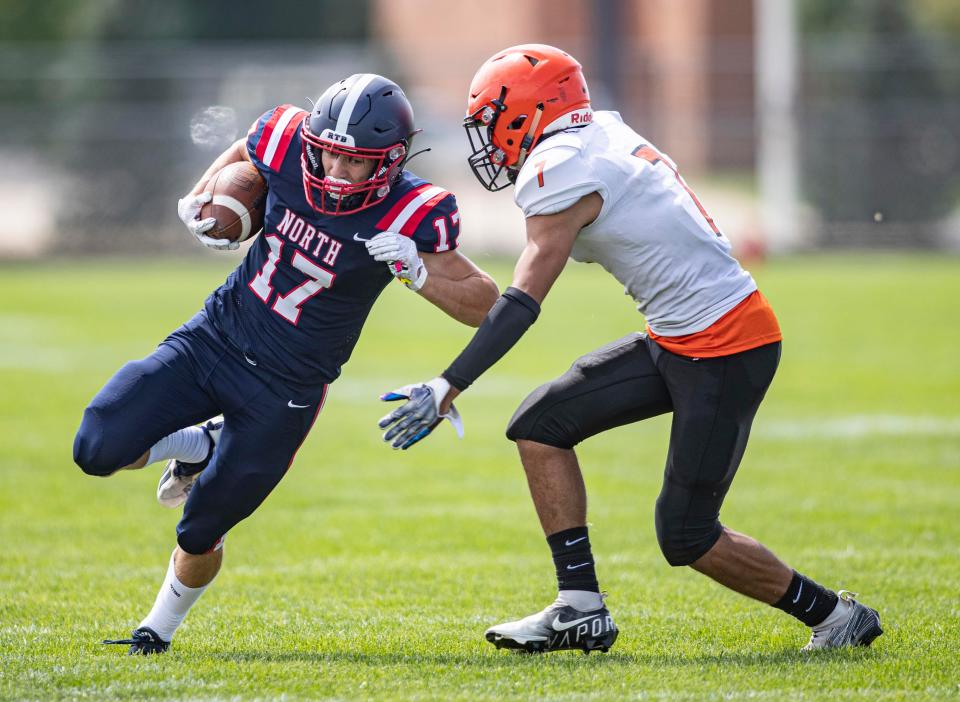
681, 72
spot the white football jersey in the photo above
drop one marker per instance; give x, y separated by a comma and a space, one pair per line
652, 234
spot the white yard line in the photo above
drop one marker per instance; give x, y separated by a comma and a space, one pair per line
856, 426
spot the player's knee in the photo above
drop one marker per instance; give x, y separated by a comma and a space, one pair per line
201, 531
197, 541
537, 419
89, 450
683, 532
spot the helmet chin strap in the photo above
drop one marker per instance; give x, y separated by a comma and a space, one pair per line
527, 142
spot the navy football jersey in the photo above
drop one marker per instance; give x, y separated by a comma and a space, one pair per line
297, 302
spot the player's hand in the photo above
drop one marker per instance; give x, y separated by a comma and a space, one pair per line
189, 210
419, 415
401, 256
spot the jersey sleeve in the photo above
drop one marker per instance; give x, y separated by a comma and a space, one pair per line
554, 179
270, 137
428, 214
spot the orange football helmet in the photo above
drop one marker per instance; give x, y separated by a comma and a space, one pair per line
516, 97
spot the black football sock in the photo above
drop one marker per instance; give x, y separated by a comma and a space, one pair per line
807, 601
573, 560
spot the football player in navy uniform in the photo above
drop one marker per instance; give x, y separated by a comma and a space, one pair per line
343, 219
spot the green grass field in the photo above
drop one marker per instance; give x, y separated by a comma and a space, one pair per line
372, 574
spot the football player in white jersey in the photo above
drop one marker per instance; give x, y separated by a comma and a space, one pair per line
593, 189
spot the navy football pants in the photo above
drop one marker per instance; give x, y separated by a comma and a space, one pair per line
192, 376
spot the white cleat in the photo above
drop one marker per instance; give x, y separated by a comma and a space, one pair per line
859, 628
556, 628
178, 477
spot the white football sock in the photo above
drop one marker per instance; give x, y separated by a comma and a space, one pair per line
580, 600
172, 604
189, 445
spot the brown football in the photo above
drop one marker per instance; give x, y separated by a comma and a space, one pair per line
239, 196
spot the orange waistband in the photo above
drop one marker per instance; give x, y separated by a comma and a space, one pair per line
750, 324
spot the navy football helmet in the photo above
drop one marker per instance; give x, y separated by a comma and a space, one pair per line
364, 116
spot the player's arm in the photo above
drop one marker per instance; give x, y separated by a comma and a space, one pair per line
458, 287
550, 239
233, 153
425, 259
189, 206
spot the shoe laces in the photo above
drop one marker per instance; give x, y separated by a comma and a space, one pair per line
847, 596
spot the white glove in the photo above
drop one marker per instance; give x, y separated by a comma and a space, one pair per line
189, 210
420, 414
401, 256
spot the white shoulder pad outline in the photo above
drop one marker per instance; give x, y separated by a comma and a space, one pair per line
554, 176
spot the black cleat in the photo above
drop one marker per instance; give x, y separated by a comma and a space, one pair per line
557, 628
143, 642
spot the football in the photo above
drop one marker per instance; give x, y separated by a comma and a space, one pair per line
239, 194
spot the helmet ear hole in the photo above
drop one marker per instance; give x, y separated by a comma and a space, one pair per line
517, 123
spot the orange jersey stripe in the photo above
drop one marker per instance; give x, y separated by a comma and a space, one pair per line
750, 324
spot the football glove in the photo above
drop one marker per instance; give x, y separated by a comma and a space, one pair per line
189, 210
419, 415
401, 256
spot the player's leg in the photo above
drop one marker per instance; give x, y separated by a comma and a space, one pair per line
186, 578
743, 564
715, 401
256, 447
615, 385
143, 407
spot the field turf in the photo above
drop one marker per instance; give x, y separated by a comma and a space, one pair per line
372, 574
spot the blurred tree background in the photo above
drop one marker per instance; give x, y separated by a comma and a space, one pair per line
102, 90
881, 117
116, 106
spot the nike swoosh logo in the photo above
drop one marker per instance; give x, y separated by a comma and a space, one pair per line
563, 626
575, 541
357, 237
574, 567
293, 404
799, 590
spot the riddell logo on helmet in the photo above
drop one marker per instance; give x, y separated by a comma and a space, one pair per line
583, 117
